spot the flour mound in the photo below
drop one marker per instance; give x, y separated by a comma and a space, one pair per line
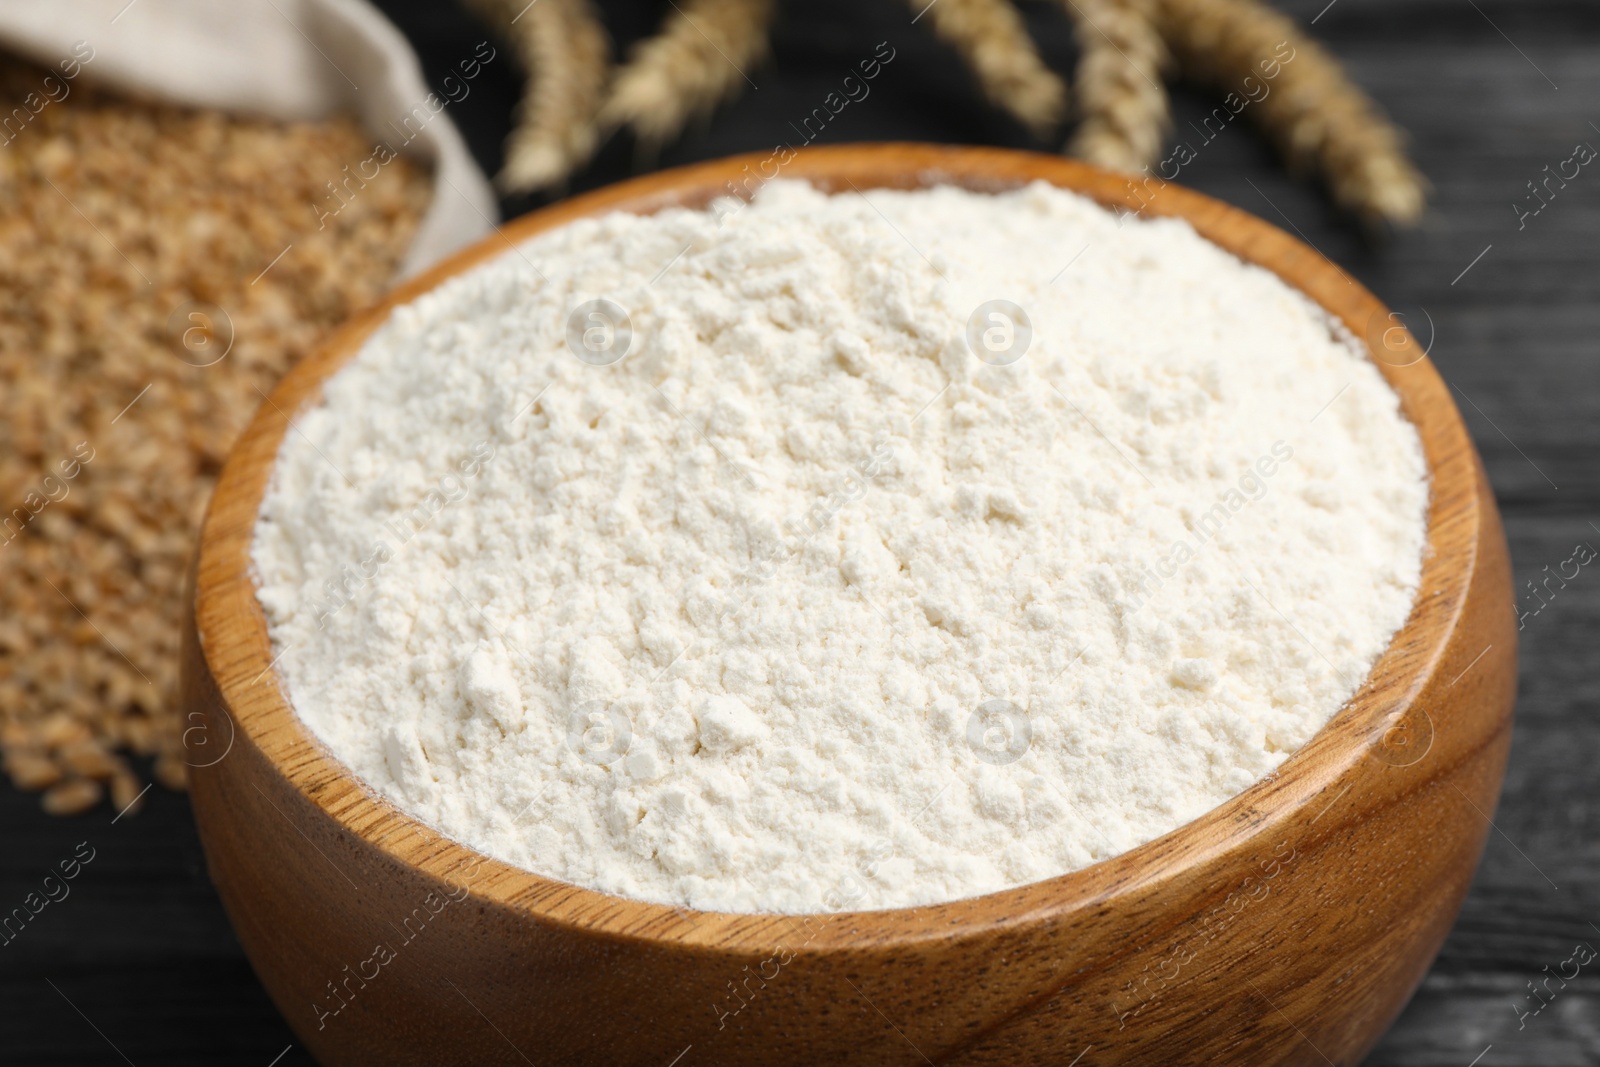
877, 557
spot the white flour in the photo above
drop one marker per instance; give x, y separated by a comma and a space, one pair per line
801, 606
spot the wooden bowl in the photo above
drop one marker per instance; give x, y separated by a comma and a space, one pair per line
1288, 925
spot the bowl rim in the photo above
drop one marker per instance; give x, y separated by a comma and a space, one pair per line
232, 632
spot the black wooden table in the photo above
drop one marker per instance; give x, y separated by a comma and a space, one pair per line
138, 965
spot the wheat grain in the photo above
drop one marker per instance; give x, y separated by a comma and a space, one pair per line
1121, 99
93, 562
567, 57
991, 37
31, 770
72, 797
127, 796
701, 57
1319, 118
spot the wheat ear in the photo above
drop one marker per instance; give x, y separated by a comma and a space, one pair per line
700, 58
991, 37
1121, 99
1317, 116
567, 56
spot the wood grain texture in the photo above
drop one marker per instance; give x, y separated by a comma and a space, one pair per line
1226, 940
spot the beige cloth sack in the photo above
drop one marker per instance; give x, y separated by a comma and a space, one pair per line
282, 59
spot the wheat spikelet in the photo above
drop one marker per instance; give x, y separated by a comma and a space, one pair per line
1120, 95
700, 58
1318, 117
991, 37
567, 56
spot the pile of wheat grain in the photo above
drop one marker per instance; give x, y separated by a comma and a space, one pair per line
138, 242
